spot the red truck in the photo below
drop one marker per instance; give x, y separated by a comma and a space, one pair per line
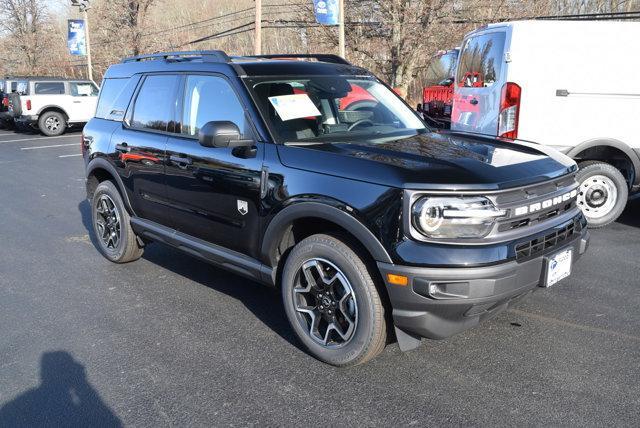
437, 95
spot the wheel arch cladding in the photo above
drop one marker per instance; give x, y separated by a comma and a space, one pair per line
611, 151
317, 217
55, 108
99, 170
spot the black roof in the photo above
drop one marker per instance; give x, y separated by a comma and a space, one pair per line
218, 61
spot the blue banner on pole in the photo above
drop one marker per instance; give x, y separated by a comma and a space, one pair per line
326, 11
76, 37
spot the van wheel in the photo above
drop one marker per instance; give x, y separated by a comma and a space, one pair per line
602, 194
332, 303
52, 123
111, 225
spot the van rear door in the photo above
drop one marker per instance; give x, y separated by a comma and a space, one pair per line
479, 79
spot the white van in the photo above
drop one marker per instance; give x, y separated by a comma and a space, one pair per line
572, 85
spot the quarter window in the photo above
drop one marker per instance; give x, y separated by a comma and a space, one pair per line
49, 88
209, 98
481, 60
155, 103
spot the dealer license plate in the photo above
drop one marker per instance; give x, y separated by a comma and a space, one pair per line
559, 267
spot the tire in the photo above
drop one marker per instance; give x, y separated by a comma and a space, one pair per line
602, 194
52, 123
359, 313
107, 202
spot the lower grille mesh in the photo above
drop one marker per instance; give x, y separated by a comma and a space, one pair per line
537, 246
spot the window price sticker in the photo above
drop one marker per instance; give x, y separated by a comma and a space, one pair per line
294, 106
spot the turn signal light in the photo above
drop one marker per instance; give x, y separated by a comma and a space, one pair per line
397, 279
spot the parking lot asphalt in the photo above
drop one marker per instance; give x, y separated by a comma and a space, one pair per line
170, 340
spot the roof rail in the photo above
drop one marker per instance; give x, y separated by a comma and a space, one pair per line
207, 56
320, 57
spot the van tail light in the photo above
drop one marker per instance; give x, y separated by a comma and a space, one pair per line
28, 104
5, 101
509, 111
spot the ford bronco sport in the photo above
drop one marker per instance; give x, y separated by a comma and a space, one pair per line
366, 220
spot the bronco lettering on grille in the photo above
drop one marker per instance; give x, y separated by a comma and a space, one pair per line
547, 203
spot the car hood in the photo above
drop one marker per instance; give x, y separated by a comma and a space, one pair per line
435, 160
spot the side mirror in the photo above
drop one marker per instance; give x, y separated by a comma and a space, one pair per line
221, 133
419, 108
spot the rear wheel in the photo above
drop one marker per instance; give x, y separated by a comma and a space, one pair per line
332, 303
111, 224
602, 194
52, 123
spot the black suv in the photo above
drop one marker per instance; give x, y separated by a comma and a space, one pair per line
309, 174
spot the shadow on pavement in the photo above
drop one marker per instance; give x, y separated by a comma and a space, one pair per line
264, 302
631, 215
63, 398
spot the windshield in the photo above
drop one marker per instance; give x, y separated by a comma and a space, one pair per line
332, 108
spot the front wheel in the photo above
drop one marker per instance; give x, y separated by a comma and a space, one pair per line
602, 194
332, 302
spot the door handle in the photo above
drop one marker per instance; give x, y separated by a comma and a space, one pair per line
182, 162
473, 101
124, 148
77, 102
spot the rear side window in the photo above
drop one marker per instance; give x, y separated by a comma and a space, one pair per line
49, 88
481, 60
155, 104
109, 92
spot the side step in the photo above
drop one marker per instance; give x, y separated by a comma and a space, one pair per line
214, 254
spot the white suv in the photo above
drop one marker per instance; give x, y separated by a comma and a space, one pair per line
52, 105
568, 84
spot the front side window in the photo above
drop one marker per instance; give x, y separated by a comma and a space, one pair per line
210, 98
332, 108
83, 89
442, 69
155, 104
481, 60
49, 88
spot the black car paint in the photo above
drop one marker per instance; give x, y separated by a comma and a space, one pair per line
358, 184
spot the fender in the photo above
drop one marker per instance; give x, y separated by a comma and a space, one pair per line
54, 107
599, 142
326, 212
102, 163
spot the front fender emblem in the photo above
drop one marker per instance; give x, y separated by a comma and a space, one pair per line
243, 207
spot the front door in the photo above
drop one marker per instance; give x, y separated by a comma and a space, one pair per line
139, 145
84, 98
214, 193
478, 86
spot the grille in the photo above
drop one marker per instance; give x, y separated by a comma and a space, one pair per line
536, 218
537, 246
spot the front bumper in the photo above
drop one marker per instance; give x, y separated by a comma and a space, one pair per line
475, 293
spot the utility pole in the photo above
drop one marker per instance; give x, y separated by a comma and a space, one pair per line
257, 41
83, 6
341, 29
86, 29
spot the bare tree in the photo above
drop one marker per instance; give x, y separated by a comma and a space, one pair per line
25, 23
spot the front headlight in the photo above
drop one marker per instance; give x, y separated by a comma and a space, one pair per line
454, 217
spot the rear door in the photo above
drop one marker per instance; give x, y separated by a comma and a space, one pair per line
84, 97
45, 94
479, 79
139, 145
